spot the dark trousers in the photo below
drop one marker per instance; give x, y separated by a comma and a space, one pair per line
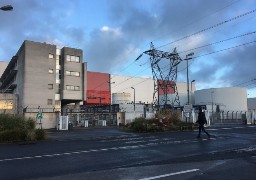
201, 127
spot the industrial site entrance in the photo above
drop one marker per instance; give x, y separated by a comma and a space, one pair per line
92, 119
93, 116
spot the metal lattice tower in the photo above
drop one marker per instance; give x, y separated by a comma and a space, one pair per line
164, 78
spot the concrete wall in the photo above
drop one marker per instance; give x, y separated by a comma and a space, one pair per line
3, 65
71, 80
84, 77
36, 74
49, 120
251, 102
127, 113
182, 91
229, 98
144, 87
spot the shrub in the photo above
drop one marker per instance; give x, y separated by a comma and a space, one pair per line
171, 117
13, 135
138, 125
15, 128
11, 122
30, 124
40, 134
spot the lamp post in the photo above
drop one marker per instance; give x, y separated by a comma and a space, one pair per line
212, 103
191, 88
188, 57
133, 98
6, 8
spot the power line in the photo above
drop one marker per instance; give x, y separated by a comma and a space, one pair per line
242, 35
216, 25
226, 49
211, 27
191, 23
203, 17
254, 79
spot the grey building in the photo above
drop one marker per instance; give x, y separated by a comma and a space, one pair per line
3, 65
45, 78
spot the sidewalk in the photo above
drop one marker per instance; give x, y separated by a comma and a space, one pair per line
88, 133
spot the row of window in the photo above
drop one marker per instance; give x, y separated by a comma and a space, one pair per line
70, 58
68, 73
72, 88
73, 73
68, 87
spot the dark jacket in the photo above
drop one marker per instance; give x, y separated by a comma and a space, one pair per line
201, 118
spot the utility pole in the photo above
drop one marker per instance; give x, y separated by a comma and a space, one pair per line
212, 104
162, 79
188, 58
133, 98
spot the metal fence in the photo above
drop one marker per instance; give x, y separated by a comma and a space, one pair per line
223, 117
93, 119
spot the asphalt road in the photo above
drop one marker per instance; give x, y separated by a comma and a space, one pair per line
108, 153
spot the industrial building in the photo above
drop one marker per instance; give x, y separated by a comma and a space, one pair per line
227, 99
43, 78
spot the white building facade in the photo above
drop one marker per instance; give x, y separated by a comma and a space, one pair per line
228, 98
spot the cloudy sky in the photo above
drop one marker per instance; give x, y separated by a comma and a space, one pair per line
113, 33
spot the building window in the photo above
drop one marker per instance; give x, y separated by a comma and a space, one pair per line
6, 104
72, 88
51, 56
50, 71
49, 101
73, 73
77, 59
72, 58
68, 73
50, 86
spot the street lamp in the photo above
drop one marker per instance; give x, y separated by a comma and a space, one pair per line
7, 8
212, 103
188, 58
133, 98
191, 88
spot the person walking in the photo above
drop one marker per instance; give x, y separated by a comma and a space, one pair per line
201, 121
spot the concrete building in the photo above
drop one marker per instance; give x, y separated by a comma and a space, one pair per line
251, 102
144, 89
45, 78
3, 66
228, 98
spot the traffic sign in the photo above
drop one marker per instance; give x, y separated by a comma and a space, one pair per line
39, 116
188, 108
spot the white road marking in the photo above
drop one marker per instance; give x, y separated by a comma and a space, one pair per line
151, 143
171, 174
